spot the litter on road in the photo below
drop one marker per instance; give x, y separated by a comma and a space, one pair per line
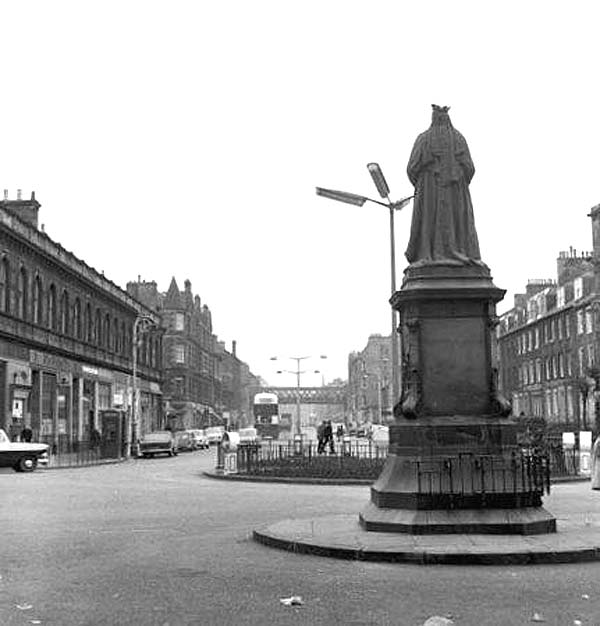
291, 601
438, 620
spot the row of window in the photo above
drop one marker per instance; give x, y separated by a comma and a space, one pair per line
55, 309
556, 366
560, 404
558, 328
557, 404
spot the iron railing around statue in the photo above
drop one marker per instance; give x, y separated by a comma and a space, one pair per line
563, 462
463, 475
348, 460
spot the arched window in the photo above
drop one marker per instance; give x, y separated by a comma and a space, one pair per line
52, 307
98, 327
22, 292
116, 336
77, 318
107, 338
89, 324
5, 286
150, 351
38, 306
123, 339
64, 313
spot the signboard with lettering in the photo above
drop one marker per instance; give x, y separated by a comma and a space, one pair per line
17, 408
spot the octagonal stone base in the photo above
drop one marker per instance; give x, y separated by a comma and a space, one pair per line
522, 521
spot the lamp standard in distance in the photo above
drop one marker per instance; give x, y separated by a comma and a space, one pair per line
357, 200
297, 372
142, 324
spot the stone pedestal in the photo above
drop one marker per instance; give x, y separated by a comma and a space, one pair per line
454, 465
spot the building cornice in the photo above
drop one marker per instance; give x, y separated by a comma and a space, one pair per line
67, 260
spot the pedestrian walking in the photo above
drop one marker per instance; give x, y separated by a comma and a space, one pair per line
321, 438
328, 437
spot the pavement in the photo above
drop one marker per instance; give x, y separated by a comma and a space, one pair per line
577, 537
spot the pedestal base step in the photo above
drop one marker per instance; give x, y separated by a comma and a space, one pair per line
523, 521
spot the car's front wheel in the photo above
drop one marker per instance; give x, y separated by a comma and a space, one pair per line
26, 464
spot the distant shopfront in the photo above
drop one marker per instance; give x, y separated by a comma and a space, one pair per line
60, 398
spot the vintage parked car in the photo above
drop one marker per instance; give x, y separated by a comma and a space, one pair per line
214, 434
184, 441
20, 455
158, 442
200, 439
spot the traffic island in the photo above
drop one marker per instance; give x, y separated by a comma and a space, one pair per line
456, 486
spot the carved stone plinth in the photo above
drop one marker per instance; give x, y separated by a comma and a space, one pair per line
453, 450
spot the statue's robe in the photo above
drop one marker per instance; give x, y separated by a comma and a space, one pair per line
443, 227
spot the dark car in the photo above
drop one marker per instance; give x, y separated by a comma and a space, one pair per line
158, 442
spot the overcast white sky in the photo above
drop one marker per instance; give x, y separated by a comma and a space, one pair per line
186, 139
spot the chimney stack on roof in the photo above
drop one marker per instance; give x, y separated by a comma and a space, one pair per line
26, 210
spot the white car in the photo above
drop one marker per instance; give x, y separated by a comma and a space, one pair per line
20, 455
214, 434
200, 439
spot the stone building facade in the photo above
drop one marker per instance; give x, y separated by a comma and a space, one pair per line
66, 338
204, 384
370, 382
548, 343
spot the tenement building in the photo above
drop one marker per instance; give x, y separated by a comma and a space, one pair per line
66, 339
548, 343
370, 382
204, 384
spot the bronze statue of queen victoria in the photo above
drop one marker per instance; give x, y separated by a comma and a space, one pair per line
440, 168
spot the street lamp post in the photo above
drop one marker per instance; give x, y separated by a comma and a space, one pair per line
297, 428
142, 323
384, 192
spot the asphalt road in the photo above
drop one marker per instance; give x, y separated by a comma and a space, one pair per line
155, 542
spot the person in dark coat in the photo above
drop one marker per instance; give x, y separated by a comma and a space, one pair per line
321, 438
328, 437
26, 434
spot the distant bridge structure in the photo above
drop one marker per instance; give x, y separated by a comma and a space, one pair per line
309, 395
